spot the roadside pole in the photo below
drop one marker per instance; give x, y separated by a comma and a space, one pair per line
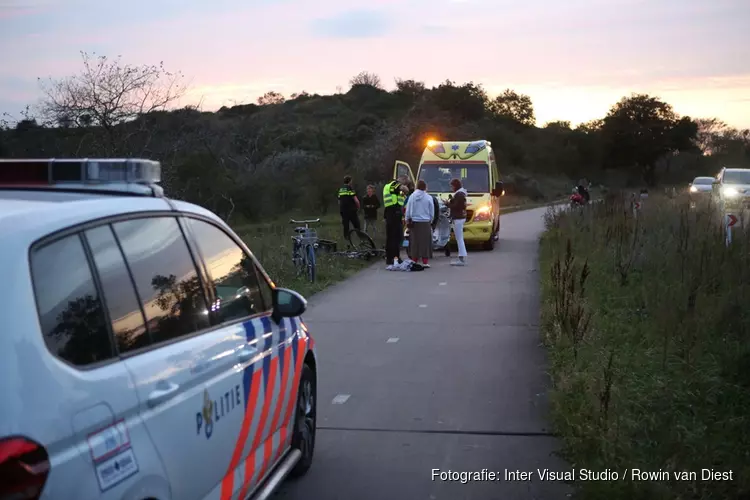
730, 220
636, 208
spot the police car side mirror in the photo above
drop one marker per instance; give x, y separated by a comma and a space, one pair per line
287, 304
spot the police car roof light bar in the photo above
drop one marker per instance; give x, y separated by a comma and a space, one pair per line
33, 172
103, 176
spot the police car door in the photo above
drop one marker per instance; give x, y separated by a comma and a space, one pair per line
191, 397
243, 300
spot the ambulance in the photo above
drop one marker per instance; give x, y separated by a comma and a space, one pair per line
474, 164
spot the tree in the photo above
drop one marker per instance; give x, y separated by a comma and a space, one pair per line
366, 78
558, 125
410, 88
710, 130
590, 126
640, 130
107, 93
513, 105
271, 97
467, 102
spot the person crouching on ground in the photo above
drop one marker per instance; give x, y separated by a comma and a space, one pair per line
370, 206
457, 204
420, 211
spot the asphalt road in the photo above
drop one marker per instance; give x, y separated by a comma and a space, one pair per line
441, 369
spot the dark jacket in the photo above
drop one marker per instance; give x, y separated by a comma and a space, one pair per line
436, 204
457, 204
370, 206
347, 195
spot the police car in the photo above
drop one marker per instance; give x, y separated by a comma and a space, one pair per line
144, 351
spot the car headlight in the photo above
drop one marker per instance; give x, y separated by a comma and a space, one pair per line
483, 214
693, 189
729, 192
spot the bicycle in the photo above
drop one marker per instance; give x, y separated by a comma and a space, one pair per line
304, 246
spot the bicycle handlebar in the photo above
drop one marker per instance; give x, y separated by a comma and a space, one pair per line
292, 221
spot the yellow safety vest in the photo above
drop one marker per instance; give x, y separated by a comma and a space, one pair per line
346, 191
391, 196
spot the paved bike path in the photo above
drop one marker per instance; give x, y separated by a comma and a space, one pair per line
441, 369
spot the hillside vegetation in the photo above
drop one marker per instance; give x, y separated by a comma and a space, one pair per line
249, 161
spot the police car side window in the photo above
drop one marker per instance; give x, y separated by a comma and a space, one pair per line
231, 271
124, 309
165, 276
70, 311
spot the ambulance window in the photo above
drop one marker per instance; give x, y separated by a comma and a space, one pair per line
165, 276
230, 270
70, 310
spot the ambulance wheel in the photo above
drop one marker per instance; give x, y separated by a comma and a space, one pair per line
305, 421
489, 244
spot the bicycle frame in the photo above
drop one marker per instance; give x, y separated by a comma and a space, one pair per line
305, 239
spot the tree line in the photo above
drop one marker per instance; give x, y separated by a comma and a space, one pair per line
284, 153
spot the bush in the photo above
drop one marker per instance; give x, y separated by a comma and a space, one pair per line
648, 329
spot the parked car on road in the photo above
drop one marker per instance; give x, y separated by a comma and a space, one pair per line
732, 187
145, 353
701, 188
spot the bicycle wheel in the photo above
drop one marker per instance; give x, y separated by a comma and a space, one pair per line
360, 240
298, 260
311, 264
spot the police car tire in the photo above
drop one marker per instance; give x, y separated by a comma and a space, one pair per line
298, 440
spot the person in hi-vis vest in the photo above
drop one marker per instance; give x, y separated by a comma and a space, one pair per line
393, 213
348, 206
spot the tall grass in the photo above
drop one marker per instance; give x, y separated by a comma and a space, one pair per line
647, 322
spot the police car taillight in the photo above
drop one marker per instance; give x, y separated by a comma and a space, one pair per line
24, 467
78, 171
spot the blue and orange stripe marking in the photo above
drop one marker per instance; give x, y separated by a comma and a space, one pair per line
292, 354
270, 366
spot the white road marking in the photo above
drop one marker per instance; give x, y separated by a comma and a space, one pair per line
392, 340
341, 399
443, 283
422, 305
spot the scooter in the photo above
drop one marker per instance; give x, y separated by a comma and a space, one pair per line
577, 199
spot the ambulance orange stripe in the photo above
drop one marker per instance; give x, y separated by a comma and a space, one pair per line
282, 392
250, 464
301, 352
227, 484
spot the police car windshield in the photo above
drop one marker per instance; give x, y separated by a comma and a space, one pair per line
737, 176
474, 177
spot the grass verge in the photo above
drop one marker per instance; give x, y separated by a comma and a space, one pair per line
648, 330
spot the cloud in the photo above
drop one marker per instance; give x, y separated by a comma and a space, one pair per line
353, 24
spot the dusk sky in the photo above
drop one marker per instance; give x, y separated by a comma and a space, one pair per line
575, 58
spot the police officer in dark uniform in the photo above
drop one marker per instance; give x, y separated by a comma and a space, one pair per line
348, 206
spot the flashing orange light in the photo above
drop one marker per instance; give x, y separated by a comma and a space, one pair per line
431, 143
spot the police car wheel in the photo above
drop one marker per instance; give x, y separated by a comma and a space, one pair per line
305, 421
